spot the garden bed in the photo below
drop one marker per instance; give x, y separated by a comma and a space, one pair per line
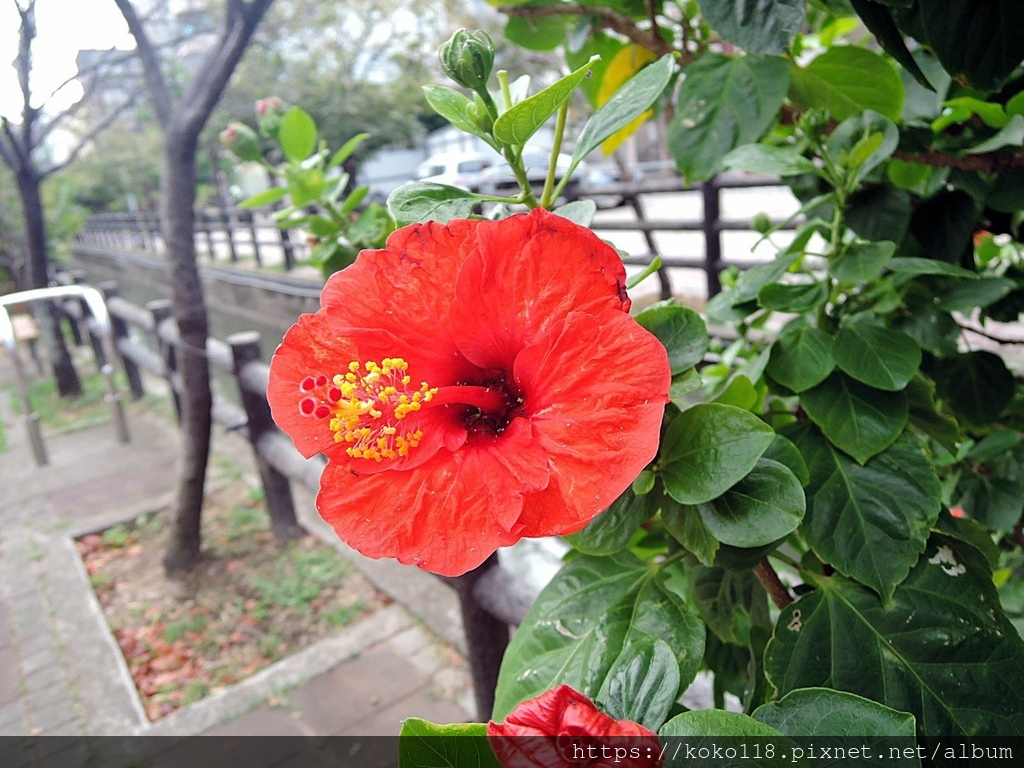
250, 602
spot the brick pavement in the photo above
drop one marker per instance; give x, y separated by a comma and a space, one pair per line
61, 672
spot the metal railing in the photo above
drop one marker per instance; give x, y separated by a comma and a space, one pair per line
236, 235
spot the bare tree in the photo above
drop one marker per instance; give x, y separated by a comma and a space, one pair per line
21, 143
182, 118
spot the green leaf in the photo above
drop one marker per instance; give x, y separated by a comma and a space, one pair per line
426, 201
579, 211
861, 143
846, 80
871, 522
266, 197
965, 297
942, 649
973, 39
763, 507
825, 712
944, 226
783, 451
683, 523
708, 448
925, 415
642, 684
731, 602
917, 266
877, 356
304, 184
723, 103
879, 212
522, 120
860, 262
978, 384
801, 357
880, 22
537, 33
860, 420
681, 330
580, 623
347, 149
792, 297
423, 744
757, 26
713, 722
611, 530
297, 135
995, 502
1012, 135
748, 285
627, 104
456, 109
772, 161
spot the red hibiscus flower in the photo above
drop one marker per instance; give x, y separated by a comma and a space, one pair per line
471, 384
563, 728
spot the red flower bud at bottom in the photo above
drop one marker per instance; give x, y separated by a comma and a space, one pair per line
562, 728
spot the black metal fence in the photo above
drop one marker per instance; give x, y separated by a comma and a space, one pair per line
236, 235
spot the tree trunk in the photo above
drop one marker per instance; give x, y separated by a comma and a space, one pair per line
37, 273
178, 194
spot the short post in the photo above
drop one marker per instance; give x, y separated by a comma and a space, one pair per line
79, 278
487, 637
712, 235
160, 309
249, 217
119, 330
245, 352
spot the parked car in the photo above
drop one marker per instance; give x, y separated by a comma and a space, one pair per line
456, 169
499, 179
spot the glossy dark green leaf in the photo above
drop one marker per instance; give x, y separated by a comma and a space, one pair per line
627, 104
425, 201
757, 26
925, 415
714, 722
801, 357
846, 80
642, 684
521, 121
880, 22
683, 523
731, 602
708, 448
786, 453
877, 356
942, 649
680, 329
871, 522
879, 212
723, 103
944, 226
861, 420
460, 745
917, 266
578, 626
826, 712
860, 262
978, 384
792, 297
973, 39
967, 296
764, 506
995, 502
611, 530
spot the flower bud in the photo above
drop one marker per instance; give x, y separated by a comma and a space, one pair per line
269, 112
467, 58
241, 141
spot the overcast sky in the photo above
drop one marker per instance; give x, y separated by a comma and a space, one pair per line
64, 27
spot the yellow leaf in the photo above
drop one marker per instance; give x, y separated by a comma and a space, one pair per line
627, 62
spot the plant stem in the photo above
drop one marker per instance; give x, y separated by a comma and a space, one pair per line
556, 148
772, 583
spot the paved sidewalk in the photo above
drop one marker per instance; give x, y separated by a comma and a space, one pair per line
61, 672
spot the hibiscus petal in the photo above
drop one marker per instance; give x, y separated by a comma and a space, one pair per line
394, 302
308, 349
595, 394
447, 515
528, 273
